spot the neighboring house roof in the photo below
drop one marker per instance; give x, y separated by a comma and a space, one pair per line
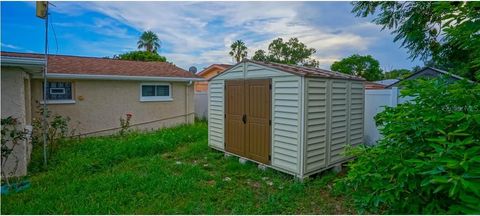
303, 71
373, 85
429, 72
224, 66
219, 66
386, 81
103, 67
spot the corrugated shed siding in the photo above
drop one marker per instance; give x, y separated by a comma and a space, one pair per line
233, 73
338, 119
316, 124
357, 94
286, 122
216, 114
257, 71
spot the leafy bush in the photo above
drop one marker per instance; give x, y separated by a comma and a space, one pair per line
141, 56
12, 135
57, 128
429, 159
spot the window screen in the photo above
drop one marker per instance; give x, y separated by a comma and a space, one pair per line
59, 91
148, 90
163, 90
155, 91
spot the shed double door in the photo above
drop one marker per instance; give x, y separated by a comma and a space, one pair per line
248, 118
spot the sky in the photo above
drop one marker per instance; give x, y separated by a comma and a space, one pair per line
199, 33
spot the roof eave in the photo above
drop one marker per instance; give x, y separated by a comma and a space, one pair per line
119, 77
22, 61
209, 68
285, 71
337, 78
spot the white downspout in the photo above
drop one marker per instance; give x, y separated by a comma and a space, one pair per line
186, 101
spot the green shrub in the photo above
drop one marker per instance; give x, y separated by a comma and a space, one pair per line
428, 161
141, 56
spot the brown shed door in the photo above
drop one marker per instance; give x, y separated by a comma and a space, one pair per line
248, 107
258, 108
234, 114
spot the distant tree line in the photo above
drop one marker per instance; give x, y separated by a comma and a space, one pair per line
285, 52
295, 52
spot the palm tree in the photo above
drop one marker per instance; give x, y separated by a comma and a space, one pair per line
239, 50
149, 40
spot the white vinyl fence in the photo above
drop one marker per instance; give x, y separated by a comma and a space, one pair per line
375, 101
201, 104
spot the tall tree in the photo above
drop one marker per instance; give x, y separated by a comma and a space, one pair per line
260, 55
363, 66
397, 74
149, 40
416, 68
290, 52
239, 50
445, 33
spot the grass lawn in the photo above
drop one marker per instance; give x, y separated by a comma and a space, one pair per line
164, 172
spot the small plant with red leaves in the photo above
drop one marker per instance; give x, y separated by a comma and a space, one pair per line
125, 124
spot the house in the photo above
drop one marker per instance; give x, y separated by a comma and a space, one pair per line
207, 73
96, 92
16, 102
427, 72
294, 119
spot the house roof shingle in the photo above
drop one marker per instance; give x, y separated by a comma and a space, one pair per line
63, 64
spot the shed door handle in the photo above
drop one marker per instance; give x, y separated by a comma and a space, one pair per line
244, 118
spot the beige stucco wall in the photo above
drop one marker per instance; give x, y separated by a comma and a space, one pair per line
100, 103
13, 104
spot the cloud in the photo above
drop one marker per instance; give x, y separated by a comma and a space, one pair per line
200, 33
11, 46
15, 48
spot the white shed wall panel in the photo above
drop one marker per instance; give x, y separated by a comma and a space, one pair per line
286, 121
233, 73
216, 114
356, 106
338, 119
254, 71
316, 124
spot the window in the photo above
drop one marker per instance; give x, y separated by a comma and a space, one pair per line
59, 91
156, 92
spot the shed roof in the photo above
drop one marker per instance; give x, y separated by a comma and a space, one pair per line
64, 64
308, 71
304, 71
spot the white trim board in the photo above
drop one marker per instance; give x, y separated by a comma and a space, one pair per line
117, 77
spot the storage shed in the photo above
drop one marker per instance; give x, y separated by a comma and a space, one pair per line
291, 118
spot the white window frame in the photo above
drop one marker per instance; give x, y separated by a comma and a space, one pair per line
156, 98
